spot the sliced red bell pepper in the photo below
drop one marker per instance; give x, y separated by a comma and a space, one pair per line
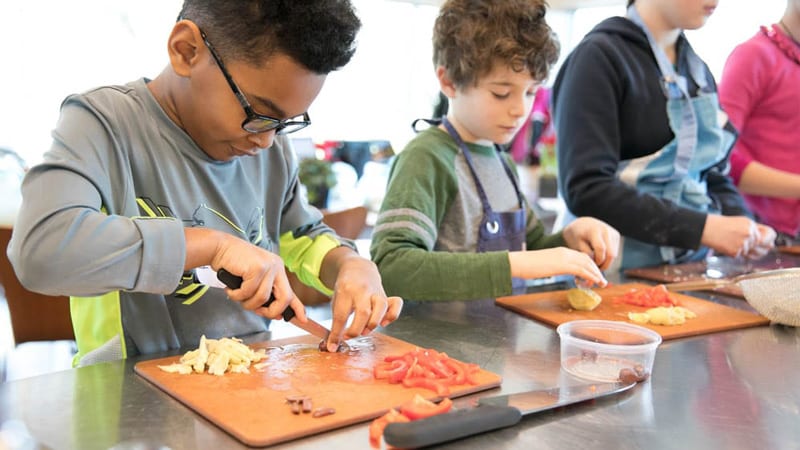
420, 408
377, 426
394, 371
648, 297
427, 369
435, 385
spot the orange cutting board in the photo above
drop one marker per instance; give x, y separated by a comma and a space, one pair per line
553, 309
253, 408
671, 273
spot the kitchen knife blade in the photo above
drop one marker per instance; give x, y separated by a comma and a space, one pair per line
492, 413
313, 327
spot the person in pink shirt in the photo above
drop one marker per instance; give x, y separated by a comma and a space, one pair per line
539, 127
760, 92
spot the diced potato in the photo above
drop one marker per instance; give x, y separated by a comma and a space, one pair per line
687, 313
583, 299
217, 356
218, 363
182, 369
238, 368
663, 315
641, 318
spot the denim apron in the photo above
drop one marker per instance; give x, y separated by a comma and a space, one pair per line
498, 231
675, 172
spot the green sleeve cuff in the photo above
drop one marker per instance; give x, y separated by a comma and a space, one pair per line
552, 240
303, 256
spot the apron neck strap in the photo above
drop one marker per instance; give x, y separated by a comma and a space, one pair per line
674, 85
675, 88
468, 157
430, 122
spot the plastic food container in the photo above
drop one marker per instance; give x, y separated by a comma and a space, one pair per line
600, 350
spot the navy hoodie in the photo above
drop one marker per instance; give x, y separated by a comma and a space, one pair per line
608, 106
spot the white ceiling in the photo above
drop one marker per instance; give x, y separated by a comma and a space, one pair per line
554, 4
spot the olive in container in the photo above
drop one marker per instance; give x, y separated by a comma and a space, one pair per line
607, 350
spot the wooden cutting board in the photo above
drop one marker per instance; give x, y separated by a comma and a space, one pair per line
671, 273
252, 407
791, 249
553, 309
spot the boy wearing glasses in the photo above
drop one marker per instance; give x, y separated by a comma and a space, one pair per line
148, 181
454, 224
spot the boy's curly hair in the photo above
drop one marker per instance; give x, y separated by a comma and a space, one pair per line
470, 36
319, 34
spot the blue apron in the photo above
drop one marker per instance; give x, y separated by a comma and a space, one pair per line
675, 172
498, 231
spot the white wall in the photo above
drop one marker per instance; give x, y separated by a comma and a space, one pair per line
53, 48
733, 22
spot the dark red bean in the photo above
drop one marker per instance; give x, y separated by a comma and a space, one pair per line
322, 412
343, 347
627, 375
588, 356
295, 398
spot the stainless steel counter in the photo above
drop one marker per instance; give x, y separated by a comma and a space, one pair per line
729, 390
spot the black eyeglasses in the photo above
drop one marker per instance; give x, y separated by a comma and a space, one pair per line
255, 122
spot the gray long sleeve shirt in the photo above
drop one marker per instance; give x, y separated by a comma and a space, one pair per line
103, 216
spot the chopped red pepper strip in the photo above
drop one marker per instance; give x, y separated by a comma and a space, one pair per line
378, 425
420, 408
394, 371
427, 369
436, 385
648, 297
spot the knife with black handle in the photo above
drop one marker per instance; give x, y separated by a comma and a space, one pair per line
492, 413
235, 282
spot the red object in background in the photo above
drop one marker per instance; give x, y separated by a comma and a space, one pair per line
328, 148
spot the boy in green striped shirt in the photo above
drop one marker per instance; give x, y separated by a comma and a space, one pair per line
454, 224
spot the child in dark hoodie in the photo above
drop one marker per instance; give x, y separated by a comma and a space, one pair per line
643, 144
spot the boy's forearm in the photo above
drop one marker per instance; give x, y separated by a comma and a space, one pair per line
332, 263
201, 245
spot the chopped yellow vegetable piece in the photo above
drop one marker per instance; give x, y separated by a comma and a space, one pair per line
583, 299
217, 356
641, 318
663, 315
